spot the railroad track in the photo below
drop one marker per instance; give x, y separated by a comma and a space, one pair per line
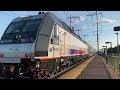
64, 71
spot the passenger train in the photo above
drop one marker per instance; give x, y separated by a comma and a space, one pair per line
39, 46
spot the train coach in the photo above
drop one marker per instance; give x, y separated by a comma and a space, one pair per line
39, 46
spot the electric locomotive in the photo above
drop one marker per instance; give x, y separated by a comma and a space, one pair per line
39, 46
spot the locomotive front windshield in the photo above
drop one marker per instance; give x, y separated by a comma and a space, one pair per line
21, 32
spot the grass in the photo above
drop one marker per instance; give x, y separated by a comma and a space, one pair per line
115, 62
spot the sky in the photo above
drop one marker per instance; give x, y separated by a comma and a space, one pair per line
86, 24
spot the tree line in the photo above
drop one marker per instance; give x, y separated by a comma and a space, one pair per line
114, 50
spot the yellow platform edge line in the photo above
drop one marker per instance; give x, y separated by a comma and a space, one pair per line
75, 72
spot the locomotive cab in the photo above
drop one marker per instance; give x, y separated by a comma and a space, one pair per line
17, 44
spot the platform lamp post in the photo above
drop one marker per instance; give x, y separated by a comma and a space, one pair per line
105, 50
117, 29
102, 51
110, 46
106, 54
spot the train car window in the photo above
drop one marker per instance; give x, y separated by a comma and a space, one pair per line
14, 27
32, 25
56, 35
51, 41
21, 32
55, 30
24, 26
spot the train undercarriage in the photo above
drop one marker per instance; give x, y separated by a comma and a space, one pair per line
37, 69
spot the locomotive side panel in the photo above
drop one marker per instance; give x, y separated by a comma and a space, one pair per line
68, 45
41, 47
71, 45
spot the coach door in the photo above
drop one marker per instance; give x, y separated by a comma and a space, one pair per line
62, 37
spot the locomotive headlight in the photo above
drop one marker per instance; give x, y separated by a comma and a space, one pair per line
26, 55
32, 59
16, 36
30, 55
1, 55
19, 36
37, 64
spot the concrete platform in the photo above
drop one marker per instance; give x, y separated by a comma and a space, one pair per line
96, 69
75, 72
93, 68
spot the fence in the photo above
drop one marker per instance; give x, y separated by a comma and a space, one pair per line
115, 62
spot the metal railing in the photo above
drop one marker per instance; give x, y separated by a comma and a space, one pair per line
114, 61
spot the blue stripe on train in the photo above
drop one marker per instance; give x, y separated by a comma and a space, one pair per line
73, 51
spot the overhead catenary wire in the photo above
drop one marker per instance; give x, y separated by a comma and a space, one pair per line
71, 22
3, 23
80, 26
62, 19
30, 12
14, 12
84, 13
6, 14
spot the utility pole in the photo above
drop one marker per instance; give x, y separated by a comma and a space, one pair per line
96, 13
117, 45
70, 21
97, 32
85, 36
78, 32
72, 17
